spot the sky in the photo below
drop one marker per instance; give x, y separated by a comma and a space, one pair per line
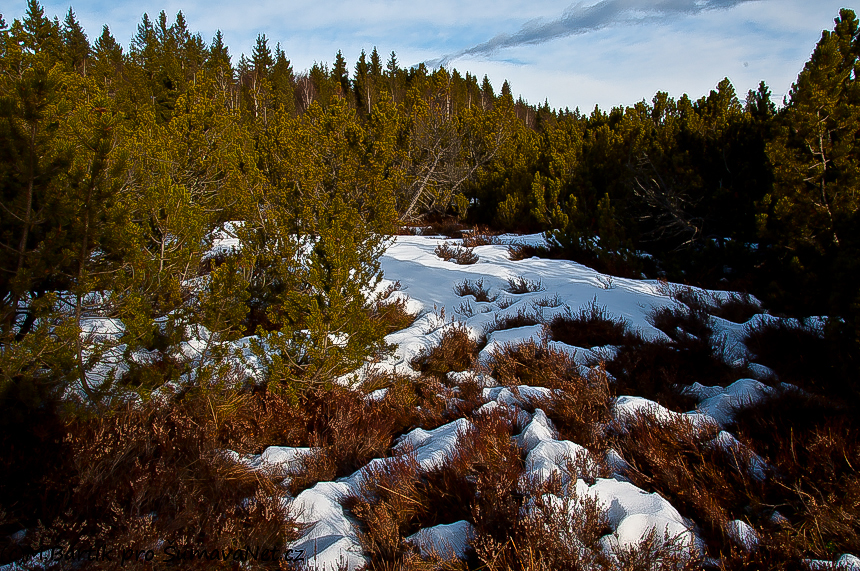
605, 52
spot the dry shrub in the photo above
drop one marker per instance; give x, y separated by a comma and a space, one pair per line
690, 328
521, 318
463, 256
591, 326
388, 501
480, 236
580, 408
152, 472
541, 532
346, 429
476, 289
656, 552
456, 351
448, 227
705, 482
738, 308
520, 285
392, 312
821, 363
813, 445
518, 252
554, 301
349, 431
534, 364
398, 499
658, 370
465, 309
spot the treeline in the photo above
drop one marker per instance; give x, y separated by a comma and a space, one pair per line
119, 165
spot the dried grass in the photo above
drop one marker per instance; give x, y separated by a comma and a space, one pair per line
703, 481
476, 288
534, 364
591, 326
456, 351
521, 285
521, 318
144, 474
462, 256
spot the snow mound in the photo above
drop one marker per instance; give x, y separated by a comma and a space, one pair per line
742, 534
446, 540
722, 403
433, 448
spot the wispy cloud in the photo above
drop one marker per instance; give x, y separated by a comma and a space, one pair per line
580, 18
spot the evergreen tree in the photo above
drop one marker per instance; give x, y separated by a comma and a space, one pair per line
106, 50
283, 81
487, 95
392, 75
261, 57
326, 212
817, 177
76, 47
363, 85
811, 214
41, 35
339, 74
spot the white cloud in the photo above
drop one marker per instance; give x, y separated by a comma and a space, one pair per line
636, 49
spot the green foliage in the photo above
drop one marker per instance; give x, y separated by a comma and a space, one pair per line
811, 214
118, 166
318, 240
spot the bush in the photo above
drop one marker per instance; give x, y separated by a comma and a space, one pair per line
823, 363
392, 313
519, 285
811, 444
737, 308
580, 408
479, 237
689, 328
463, 256
518, 252
475, 288
521, 318
145, 473
534, 364
675, 458
456, 351
591, 326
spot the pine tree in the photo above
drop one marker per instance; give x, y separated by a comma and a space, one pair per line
392, 75
339, 75
363, 85
76, 50
817, 183
261, 57
487, 95
283, 82
107, 54
327, 208
41, 35
812, 213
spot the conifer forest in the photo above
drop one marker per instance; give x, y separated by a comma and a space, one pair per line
199, 259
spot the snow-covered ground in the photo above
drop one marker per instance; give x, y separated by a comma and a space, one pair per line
331, 536
428, 283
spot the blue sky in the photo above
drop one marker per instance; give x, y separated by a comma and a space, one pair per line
607, 52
